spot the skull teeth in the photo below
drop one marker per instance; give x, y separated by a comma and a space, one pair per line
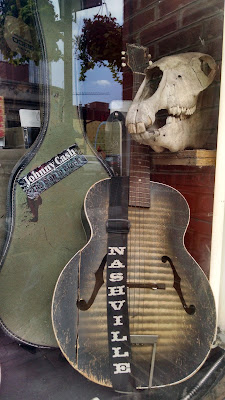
173, 110
182, 110
171, 120
141, 134
131, 128
140, 127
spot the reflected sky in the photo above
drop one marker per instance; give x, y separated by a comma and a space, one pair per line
99, 84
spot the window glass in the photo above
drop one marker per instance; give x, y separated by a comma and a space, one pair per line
90, 90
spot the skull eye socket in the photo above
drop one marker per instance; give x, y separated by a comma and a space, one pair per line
205, 67
154, 77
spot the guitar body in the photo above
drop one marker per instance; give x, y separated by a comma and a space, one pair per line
43, 234
156, 236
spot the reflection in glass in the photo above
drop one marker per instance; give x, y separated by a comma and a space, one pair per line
19, 72
98, 79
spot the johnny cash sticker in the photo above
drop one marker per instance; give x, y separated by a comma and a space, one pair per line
51, 172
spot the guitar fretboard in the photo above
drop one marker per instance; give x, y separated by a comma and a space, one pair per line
139, 187
139, 193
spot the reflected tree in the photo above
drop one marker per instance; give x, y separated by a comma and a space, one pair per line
18, 37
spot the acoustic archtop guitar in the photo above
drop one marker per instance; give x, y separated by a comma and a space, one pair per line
132, 309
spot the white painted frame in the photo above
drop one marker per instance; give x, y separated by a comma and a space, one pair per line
217, 269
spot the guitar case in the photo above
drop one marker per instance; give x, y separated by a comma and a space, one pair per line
45, 230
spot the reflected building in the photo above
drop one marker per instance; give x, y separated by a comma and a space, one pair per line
20, 90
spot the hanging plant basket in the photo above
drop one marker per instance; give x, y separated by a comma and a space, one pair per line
100, 44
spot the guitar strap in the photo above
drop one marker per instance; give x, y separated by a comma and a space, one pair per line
117, 306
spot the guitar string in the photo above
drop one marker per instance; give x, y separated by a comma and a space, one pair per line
141, 158
138, 156
134, 212
144, 266
136, 247
130, 238
138, 153
145, 179
140, 211
139, 244
137, 225
142, 292
137, 240
136, 244
142, 219
141, 260
133, 234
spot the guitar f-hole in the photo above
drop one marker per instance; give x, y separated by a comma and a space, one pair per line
176, 284
99, 281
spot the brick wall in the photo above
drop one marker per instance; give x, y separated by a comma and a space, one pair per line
169, 27
12, 72
172, 26
196, 185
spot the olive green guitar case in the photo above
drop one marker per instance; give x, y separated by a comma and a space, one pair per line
44, 233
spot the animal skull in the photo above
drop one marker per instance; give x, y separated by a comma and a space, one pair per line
172, 86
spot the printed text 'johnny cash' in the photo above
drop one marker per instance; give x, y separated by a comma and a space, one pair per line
51, 172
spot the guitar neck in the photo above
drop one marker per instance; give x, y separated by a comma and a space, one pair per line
138, 78
139, 188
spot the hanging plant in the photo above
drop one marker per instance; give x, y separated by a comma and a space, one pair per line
100, 44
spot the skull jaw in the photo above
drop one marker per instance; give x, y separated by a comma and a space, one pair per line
176, 135
142, 120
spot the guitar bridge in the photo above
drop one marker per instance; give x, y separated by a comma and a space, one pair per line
153, 286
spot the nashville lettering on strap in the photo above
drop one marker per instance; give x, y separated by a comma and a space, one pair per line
119, 343
117, 306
